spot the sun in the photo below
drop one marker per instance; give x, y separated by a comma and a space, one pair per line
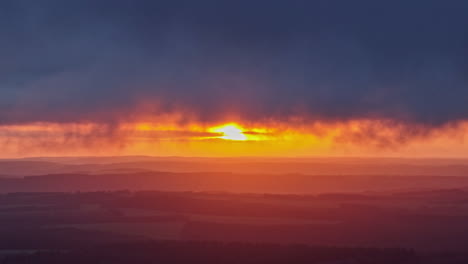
230, 132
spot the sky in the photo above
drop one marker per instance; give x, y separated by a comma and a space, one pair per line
234, 78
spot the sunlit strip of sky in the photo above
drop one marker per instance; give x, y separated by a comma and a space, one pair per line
353, 138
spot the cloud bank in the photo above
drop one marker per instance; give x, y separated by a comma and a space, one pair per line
108, 61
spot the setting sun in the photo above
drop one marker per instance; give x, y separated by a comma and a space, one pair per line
230, 132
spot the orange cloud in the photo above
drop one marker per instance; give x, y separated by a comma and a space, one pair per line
167, 136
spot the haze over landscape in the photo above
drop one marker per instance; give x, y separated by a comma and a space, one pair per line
216, 131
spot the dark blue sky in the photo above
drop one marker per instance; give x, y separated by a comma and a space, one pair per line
83, 60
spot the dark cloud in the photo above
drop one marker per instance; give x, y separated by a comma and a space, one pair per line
71, 61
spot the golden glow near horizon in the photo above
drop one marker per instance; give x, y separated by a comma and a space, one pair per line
173, 137
230, 132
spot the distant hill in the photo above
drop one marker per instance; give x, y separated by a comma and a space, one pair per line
310, 166
228, 182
